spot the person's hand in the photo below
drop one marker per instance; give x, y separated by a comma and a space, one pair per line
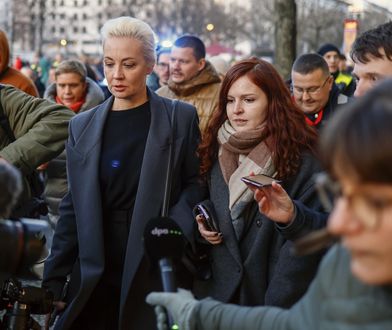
212, 237
180, 306
58, 307
274, 202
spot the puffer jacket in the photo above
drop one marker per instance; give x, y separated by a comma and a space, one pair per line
40, 128
202, 91
55, 173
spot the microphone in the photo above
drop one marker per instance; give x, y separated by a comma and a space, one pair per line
164, 242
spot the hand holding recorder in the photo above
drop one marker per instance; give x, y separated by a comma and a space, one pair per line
273, 200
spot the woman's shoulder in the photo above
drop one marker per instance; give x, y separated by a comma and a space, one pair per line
186, 108
83, 118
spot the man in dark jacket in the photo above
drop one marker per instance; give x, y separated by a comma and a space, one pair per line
314, 90
343, 80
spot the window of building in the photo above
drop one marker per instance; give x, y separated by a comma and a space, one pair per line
62, 16
62, 30
53, 29
75, 16
75, 29
84, 16
84, 29
75, 3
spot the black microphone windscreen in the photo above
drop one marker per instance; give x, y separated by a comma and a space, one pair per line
163, 238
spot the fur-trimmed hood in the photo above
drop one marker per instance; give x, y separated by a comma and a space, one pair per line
206, 76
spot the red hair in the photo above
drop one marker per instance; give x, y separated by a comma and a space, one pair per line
288, 134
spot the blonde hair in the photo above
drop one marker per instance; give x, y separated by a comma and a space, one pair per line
131, 27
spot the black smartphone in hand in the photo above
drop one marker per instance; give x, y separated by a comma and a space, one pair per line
259, 180
209, 221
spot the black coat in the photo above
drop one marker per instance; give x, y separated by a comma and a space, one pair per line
78, 240
259, 269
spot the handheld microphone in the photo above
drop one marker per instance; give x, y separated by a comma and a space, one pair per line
164, 242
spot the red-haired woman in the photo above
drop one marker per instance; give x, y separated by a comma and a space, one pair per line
257, 129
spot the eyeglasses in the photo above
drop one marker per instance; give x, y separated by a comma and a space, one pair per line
310, 91
163, 65
366, 209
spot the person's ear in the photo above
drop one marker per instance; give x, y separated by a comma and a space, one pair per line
201, 64
330, 82
150, 68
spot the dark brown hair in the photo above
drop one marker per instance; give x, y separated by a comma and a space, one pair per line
369, 44
287, 132
357, 140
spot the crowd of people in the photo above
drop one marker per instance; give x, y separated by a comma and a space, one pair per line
101, 154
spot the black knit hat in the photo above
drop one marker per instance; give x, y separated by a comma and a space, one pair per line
327, 48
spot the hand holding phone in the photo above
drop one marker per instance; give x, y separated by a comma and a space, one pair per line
209, 221
259, 180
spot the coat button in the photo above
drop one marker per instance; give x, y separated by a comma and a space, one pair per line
258, 223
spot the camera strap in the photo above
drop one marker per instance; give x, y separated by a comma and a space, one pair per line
169, 169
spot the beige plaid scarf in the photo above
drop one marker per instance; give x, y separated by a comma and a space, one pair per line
241, 153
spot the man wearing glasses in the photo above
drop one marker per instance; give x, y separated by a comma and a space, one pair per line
160, 76
314, 90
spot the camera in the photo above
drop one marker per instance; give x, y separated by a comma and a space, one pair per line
22, 244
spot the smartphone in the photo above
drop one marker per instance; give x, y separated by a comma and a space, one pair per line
209, 221
259, 180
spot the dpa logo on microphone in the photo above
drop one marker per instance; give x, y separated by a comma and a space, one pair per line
159, 231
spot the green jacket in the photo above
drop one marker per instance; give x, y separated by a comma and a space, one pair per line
40, 128
335, 301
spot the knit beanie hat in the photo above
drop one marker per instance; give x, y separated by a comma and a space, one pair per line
327, 48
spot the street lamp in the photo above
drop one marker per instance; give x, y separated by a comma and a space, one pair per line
210, 27
63, 42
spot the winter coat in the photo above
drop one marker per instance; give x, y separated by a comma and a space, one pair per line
9, 75
78, 243
40, 129
202, 91
335, 300
259, 269
55, 173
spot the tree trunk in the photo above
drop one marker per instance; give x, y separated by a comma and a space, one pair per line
285, 35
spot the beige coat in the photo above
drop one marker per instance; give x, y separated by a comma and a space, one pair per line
202, 91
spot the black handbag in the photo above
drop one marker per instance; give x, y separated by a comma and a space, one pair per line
35, 206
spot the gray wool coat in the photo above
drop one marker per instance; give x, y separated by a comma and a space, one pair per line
259, 269
78, 239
